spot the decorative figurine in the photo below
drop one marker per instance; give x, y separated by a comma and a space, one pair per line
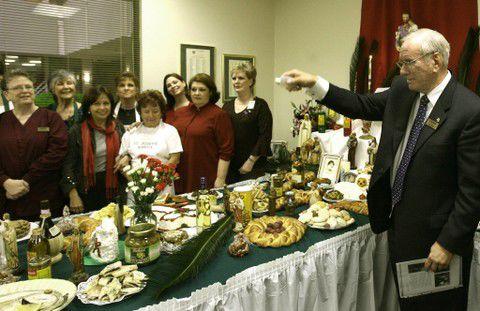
372, 151
352, 144
305, 130
404, 29
75, 253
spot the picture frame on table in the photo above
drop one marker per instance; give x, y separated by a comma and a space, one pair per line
196, 59
230, 61
329, 167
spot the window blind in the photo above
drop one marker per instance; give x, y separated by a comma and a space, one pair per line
94, 39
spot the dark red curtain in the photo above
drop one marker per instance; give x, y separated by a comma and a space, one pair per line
380, 19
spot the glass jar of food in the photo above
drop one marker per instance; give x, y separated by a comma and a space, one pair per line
40, 268
290, 204
142, 245
277, 181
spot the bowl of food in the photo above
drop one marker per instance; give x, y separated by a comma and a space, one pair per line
333, 196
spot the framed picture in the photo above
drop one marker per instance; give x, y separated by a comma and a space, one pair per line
330, 167
230, 61
196, 59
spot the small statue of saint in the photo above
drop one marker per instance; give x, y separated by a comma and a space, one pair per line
372, 151
305, 130
352, 144
404, 29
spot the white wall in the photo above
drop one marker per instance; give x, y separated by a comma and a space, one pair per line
315, 36
231, 26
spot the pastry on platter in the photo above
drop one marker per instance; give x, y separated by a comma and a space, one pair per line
322, 216
274, 231
359, 207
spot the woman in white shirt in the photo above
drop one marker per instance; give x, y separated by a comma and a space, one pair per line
153, 137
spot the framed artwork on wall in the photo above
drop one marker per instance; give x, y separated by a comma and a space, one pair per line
196, 59
230, 61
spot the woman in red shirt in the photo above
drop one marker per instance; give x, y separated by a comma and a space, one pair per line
207, 136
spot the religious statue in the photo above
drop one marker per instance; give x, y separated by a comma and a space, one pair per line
404, 29
366, 126
305, 130
316, 153
372, 151
352, 144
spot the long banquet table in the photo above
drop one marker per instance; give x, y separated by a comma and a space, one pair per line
323, 270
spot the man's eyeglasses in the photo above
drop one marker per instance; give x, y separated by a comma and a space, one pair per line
20, 88
409, 63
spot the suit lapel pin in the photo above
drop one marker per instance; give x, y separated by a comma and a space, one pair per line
432, 123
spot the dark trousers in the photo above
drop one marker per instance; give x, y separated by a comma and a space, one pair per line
96, 197
450, 300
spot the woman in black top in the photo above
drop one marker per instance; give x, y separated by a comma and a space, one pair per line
91, 178
252, 123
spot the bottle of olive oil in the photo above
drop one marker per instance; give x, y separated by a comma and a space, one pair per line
38, 258
203, 205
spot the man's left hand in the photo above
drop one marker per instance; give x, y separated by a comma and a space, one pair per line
439, 258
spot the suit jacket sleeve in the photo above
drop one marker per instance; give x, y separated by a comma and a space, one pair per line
356, 106
458, 231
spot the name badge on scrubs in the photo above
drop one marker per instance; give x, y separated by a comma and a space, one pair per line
432, 123
251, 105
43, 129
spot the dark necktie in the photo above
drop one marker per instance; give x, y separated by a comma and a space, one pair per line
407, 154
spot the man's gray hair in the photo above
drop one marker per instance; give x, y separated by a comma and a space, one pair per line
431, 41
60, 75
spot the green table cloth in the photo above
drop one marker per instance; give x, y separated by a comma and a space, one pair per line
221, 268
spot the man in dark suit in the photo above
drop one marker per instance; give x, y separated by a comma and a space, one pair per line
425, 185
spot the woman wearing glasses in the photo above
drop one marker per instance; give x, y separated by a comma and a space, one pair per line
33, 145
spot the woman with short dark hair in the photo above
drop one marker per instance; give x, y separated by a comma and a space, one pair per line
207, 137
90, 179
153, 137
127, 85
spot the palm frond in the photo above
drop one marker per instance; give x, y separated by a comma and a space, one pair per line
477, 86
186, 263
469, 47
355, 61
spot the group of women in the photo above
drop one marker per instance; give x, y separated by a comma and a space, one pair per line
188, 128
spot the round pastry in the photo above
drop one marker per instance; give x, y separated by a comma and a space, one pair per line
274, 231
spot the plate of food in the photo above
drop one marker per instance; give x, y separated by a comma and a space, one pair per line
113, 284
109, 211
333, 196
323, 216
41, 294
193, 195
351, 191
171, 200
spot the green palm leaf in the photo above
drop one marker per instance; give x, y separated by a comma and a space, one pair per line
355, 61
469, 47
186, 263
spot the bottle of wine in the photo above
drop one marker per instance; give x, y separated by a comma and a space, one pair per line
51, 232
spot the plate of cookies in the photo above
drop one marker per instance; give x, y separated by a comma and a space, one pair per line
323, 216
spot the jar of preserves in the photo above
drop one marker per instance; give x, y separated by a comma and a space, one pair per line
142, 245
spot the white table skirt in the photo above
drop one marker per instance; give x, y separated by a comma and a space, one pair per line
348, 272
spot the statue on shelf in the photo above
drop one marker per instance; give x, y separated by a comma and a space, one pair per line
305, 130
404, 29
316, 153
366, 126
372, 151
352, 144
